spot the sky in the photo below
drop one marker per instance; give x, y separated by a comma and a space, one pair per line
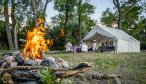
100, 5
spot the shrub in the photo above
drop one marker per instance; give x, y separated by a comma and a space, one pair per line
48, 77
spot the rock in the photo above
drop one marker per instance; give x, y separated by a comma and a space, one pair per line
51, 58
13, 64
19, 59
9, 59
63, 63
49, 62
1, 62
5, 65
38, 61
30, 62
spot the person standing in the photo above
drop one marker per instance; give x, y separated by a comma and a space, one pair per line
84, 47
94, 45
68, 46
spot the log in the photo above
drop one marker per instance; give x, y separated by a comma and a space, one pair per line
104, 76
2, 70
25, 75
70, 72
60, 72
30, 73
115, 77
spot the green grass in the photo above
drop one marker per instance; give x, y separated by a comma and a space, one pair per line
130, 66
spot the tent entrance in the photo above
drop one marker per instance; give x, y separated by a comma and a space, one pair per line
100, 38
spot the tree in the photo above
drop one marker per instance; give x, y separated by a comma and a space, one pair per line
84, 10
20, 14
7, 25
45, 7
75, 16
34, 9
3, 39
13, 17
66, 8
117, 5
79, 19
108, 18
132, 18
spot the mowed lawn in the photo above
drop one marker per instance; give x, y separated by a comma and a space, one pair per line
130, 66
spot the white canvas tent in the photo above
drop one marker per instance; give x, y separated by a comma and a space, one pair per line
122, 41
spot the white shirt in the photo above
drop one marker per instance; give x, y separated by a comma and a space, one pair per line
68, 47
84, 47
94, 46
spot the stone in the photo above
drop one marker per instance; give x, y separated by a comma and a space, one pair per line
63, 63
19, 59
1, 62
5, 65
9, 59
38, 61
13, 64
29, 62
49, 62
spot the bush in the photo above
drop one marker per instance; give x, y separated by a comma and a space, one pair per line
48, 77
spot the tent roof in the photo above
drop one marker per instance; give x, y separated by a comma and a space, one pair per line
99, 32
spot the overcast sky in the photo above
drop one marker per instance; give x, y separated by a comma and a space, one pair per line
100, 5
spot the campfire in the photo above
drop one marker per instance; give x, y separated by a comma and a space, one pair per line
25, 66
36, 44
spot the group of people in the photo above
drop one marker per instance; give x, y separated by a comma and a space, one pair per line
107, 47
82, 47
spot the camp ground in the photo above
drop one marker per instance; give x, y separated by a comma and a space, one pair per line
72, 41
120, 39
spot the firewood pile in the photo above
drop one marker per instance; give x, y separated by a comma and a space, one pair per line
14, 69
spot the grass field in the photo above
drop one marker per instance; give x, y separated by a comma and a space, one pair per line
130, 66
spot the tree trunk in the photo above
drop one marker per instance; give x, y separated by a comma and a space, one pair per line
117, 5
34, 9
15, 38
45, 7
119, 16
79, 20
119, 19
66, 19
14, 24
7, 25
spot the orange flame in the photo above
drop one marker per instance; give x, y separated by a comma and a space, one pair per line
50, 42
62, 32
35, 43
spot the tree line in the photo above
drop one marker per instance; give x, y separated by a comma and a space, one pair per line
128, 15
72, 22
